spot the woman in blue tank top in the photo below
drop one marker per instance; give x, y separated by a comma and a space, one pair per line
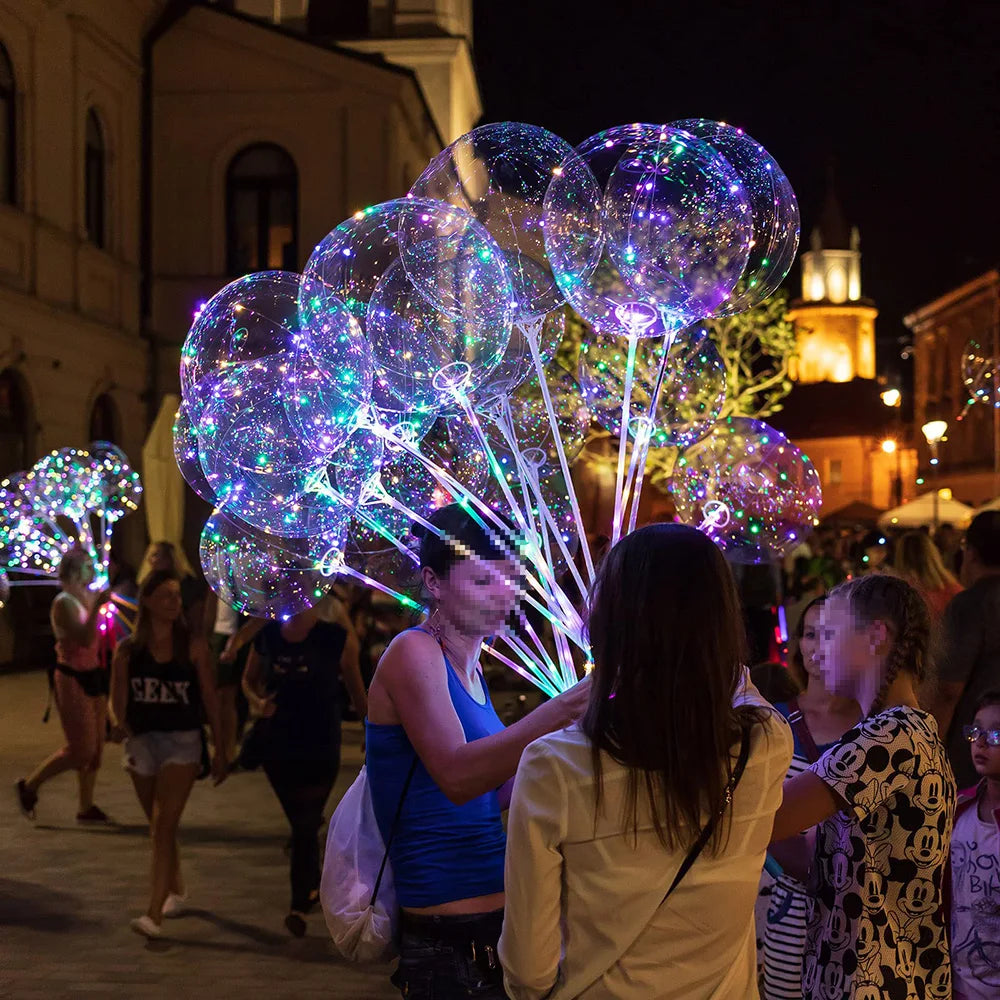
430, 715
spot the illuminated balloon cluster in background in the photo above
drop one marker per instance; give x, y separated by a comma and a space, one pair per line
411, 365
980, 375
70, 498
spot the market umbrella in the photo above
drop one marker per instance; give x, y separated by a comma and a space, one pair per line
926, 509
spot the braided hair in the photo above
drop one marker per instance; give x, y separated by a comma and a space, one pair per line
890, 599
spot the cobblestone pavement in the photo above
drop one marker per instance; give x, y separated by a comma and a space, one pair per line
67, 893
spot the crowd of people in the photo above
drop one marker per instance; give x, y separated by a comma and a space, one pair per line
696, 818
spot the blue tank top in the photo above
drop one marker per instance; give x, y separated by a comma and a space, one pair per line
441, 852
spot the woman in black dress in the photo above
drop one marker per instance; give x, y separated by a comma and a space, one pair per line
293, 682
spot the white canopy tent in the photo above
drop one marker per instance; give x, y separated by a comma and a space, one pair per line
935, 507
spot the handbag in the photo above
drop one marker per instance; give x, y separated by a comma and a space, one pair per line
357, 891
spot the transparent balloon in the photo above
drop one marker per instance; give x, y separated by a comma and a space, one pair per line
981, 374
774, 209
186, 455
331, 378
499, 174
119, 482
692, 393
647, 228
518, 364
252, 318
421, 351
251, 455
260, 575
749, 488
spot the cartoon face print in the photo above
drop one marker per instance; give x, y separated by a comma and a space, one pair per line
882, 728
840, 870
874, 891
838, 928
810, 974
918, 897
867, 991
867, 942
939, 983
925, 846
905, 950
929, 793
833, 980
847, 762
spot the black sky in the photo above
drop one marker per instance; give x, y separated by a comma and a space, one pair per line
902, 98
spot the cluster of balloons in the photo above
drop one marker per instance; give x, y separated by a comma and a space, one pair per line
71, 497
411, 364
980, 372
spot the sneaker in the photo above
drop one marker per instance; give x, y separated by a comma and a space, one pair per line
174, 905
296, 924
26, 798
146, 926
93, 815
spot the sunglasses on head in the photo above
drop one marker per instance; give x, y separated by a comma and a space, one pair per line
972, 734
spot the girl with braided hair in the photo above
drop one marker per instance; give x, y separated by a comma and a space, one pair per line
883, 802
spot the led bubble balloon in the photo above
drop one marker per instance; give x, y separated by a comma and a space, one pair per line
749, 488
647, 229
186, 456
691, 396
499, 174
260, 575
518, 364
773, 205
118, 481
251, 455
980, 374
430, 288
253, 317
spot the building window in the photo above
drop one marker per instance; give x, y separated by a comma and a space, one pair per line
104, 419
836, 472
15, 430
262, 209
8, 130
94, 180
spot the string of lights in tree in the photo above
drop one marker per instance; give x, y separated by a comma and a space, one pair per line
411, 365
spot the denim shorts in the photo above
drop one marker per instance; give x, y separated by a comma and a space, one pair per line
447, 958
147, 753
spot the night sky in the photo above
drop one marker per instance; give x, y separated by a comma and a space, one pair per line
905, 106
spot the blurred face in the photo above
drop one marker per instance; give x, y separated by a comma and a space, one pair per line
850, 651
164, 603
809, 644
985, 758
162, 559
478, 594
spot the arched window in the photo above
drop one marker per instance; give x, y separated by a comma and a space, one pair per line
262, 210
104, 419
8, 130
94, 179
15, 429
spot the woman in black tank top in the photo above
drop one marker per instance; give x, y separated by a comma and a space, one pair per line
160, 683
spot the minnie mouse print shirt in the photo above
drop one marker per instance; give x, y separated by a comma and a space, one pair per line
877, 929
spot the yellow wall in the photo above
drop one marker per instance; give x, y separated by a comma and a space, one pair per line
835, 343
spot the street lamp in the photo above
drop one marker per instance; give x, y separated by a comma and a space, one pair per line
890, 447
892, 397
934, 431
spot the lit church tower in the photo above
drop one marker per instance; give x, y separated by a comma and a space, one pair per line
836, 326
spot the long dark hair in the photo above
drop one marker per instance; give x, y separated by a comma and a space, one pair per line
669, 647
797, 665
890, 599
463, 536
144, 623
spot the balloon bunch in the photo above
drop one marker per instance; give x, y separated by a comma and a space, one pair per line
980, 374
70, 498
411, 364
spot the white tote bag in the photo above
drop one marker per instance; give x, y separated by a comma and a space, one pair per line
357, 891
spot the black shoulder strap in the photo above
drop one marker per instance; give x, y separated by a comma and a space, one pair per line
800, 727
699, 845
395, 824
